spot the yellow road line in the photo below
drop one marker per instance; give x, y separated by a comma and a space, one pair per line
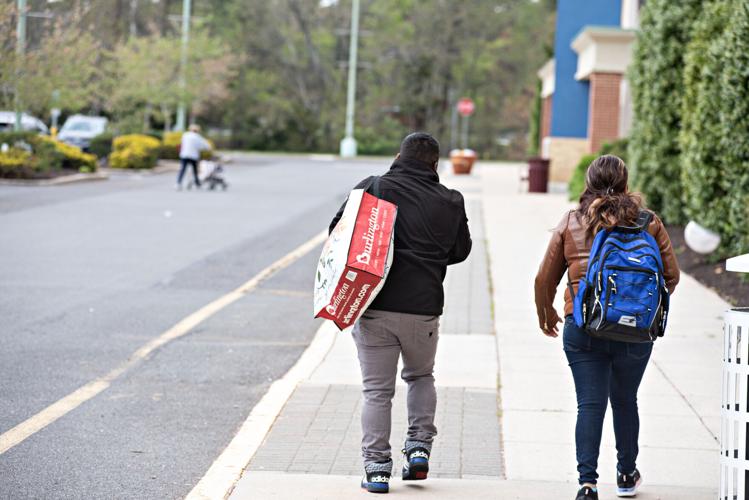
70, 402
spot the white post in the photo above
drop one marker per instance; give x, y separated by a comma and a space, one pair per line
348, 144
182, 109
734, 438
20, 51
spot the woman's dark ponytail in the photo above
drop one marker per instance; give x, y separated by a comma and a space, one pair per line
606, 201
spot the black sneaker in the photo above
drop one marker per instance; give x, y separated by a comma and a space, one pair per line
416, 466
377, 477
587, 493
627, 484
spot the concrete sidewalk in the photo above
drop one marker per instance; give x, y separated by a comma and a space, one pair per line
506, 409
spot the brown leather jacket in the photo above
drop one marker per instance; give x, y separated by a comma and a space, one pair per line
569, 248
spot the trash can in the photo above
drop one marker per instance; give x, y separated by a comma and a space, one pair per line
462, 161
538, 175
734, 424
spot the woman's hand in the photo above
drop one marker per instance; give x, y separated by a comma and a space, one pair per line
549, 326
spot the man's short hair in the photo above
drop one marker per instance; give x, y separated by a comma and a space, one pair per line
421, 146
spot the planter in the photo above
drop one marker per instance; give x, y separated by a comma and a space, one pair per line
462, 161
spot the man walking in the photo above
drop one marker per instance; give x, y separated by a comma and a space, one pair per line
190, 147
431, 232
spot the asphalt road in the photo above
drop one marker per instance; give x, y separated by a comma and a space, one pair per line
91, 272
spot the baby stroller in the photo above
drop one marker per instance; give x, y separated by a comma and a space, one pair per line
211, 174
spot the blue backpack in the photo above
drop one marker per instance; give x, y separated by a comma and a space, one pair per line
623, 295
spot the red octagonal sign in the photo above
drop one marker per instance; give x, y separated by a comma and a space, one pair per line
466, 106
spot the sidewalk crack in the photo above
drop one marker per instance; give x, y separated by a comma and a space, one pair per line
686, 400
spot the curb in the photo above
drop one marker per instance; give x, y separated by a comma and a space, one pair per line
220, 479
162, 167
57, 181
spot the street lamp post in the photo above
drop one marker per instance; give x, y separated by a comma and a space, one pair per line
348, 144
182, 109
20, 51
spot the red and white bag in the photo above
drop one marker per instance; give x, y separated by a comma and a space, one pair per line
355, 260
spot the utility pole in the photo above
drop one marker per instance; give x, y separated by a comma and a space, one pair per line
20, 51
182, 110
133, 18
348, 144
453, 118
464, 133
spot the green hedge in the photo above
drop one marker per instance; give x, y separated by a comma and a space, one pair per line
690, 136
705, 194
734, 126
657, 79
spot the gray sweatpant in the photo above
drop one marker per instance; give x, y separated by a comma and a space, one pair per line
381, 337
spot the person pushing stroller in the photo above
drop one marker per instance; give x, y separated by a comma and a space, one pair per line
191, 146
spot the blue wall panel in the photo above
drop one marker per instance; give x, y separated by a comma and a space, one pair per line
570, 102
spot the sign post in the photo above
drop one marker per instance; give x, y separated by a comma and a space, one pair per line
465, 107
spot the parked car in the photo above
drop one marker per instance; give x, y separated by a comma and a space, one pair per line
28, 123
79, 130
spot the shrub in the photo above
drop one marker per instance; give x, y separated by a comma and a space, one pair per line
32, 155
577, 181
703, 174
657, 75
616, 148
11, 137
46, 155
101, 145
170, 147
134, 151
383, 139
15, 162
72, 157
734, 128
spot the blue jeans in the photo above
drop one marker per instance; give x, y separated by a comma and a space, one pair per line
603, 370
183, 167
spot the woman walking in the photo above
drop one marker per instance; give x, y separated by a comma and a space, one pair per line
602, 369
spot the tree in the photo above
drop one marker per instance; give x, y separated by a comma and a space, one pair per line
288, 84
657, 78
274, 73
145, 74
62, 62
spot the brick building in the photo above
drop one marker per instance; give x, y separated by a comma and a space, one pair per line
586, 98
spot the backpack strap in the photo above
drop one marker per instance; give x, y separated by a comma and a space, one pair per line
644, 219
373, 184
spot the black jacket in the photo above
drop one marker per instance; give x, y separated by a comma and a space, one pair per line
431, 232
